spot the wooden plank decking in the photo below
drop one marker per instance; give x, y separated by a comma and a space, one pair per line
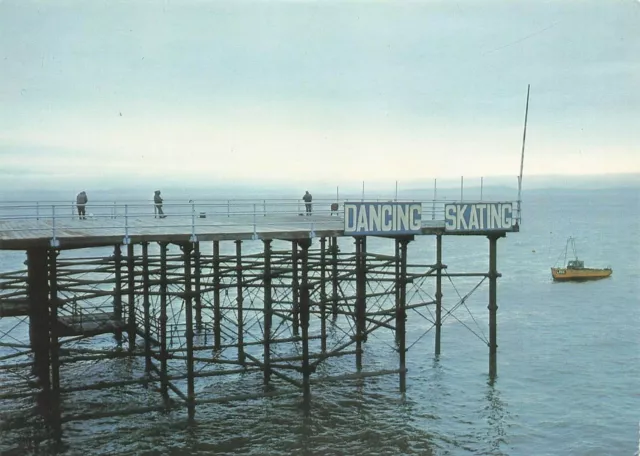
18, 234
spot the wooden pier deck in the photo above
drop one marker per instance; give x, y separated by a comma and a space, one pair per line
20, 234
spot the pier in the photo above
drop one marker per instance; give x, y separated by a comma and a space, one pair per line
224, 288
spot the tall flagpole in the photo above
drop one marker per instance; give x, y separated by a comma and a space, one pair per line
524, 138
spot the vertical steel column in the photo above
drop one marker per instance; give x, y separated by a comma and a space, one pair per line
38, 291
146, 305
164, 380
54, 345
304, 316
198, 296
117, 293
401, 314
438, 291
188, 306
398, 285
323, 294
334, 277
295, 288
239, 300
361, 290
267, 310
131, 283
217, 317
493, 305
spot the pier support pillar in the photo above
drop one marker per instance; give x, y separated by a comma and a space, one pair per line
117, 293
131, 285
438, 296
334, 277
217, 316
361, 291
187, 250
295, 288
164, 380
146, 304
54, 346
267, 311
323, 295
239, 301
401, 315
38, 291
493, 306
305, 316
196, 283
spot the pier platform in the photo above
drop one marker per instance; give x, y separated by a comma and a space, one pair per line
205, 292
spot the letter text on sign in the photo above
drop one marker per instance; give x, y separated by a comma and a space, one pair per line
382, 218
478, 217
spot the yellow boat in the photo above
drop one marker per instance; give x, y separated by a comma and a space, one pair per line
575, 270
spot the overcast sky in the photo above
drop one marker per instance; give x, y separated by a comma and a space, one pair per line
326, 90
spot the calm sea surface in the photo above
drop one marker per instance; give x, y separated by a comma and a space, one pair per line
568, 364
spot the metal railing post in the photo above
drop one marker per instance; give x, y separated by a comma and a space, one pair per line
54, 239
193, 223
37, 210
435, 195
255, 232
126, 240
228, 208
264, 207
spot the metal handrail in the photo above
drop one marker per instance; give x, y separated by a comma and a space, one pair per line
195, 215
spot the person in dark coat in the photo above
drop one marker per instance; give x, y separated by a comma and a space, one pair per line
307, 201
157, 200
81, 202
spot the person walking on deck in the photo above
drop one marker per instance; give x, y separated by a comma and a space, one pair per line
307, 201
157, 200
81, 202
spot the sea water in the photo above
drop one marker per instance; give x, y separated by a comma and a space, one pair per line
568, 363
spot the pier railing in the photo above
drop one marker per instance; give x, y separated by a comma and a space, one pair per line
198, 216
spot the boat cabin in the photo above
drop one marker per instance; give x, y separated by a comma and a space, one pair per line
575, 264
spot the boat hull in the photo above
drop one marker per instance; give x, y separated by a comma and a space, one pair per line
567, 274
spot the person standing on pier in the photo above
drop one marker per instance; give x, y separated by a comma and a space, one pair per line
307, 201
157, 200
81, 202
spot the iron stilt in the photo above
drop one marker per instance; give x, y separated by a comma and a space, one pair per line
323, 295
131, 284
146, 305
196, 284
239, 300
334, 277
438, 296
295, 288
304, 316
188, 306
54, 345
164, 381
117, 293
267, 311
217, 317
493, 306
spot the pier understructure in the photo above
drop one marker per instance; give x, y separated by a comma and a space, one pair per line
287, 308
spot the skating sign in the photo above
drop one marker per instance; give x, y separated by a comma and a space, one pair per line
366, 218
460, 217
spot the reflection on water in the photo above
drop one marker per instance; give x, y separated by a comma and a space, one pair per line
496, 413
